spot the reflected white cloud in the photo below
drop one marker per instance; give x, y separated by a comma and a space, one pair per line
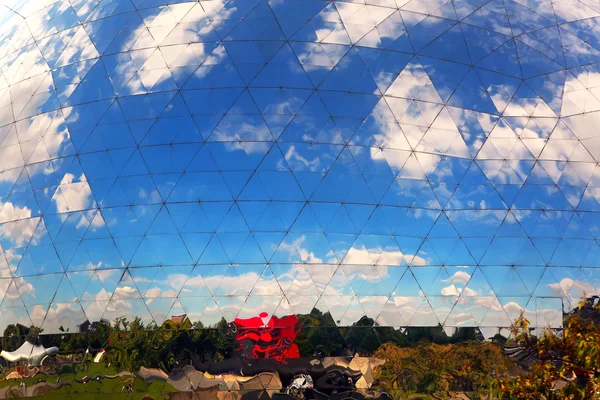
449, 152
74, 194
365, 256
573, 288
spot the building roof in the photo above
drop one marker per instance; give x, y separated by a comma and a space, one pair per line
179, 318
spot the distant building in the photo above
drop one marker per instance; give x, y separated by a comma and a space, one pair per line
179, 319
88, 326
85, 327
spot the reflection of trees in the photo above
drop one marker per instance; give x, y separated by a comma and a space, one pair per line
130, 344
16, 334
13, 337
437, 334
568, 362
423, 359
429, 367
320, 334
417, 359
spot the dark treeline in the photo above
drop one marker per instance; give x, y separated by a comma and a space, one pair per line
131, 344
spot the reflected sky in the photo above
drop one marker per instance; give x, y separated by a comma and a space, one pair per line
419, 162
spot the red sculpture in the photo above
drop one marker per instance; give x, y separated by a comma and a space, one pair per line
275, 339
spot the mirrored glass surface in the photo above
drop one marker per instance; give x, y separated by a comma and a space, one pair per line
189, 173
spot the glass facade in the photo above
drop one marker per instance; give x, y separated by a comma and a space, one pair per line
287, 179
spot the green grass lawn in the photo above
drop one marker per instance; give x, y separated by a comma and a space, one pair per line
93, 389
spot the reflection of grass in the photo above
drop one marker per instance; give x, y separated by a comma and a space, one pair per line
93, 389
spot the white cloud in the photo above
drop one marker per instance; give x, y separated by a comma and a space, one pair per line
73, 194
300, 162
16, 224
10, 212
256, 136
459, 277
573, 288
367, 256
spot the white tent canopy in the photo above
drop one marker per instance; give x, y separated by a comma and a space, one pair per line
32, 353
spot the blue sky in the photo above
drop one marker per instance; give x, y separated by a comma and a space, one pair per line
417, 162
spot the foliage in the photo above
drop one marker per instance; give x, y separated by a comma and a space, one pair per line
132, 345
429, 367
567, 365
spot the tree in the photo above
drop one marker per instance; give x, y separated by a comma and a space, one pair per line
16, 334
429, 367
564, 365
13, 337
